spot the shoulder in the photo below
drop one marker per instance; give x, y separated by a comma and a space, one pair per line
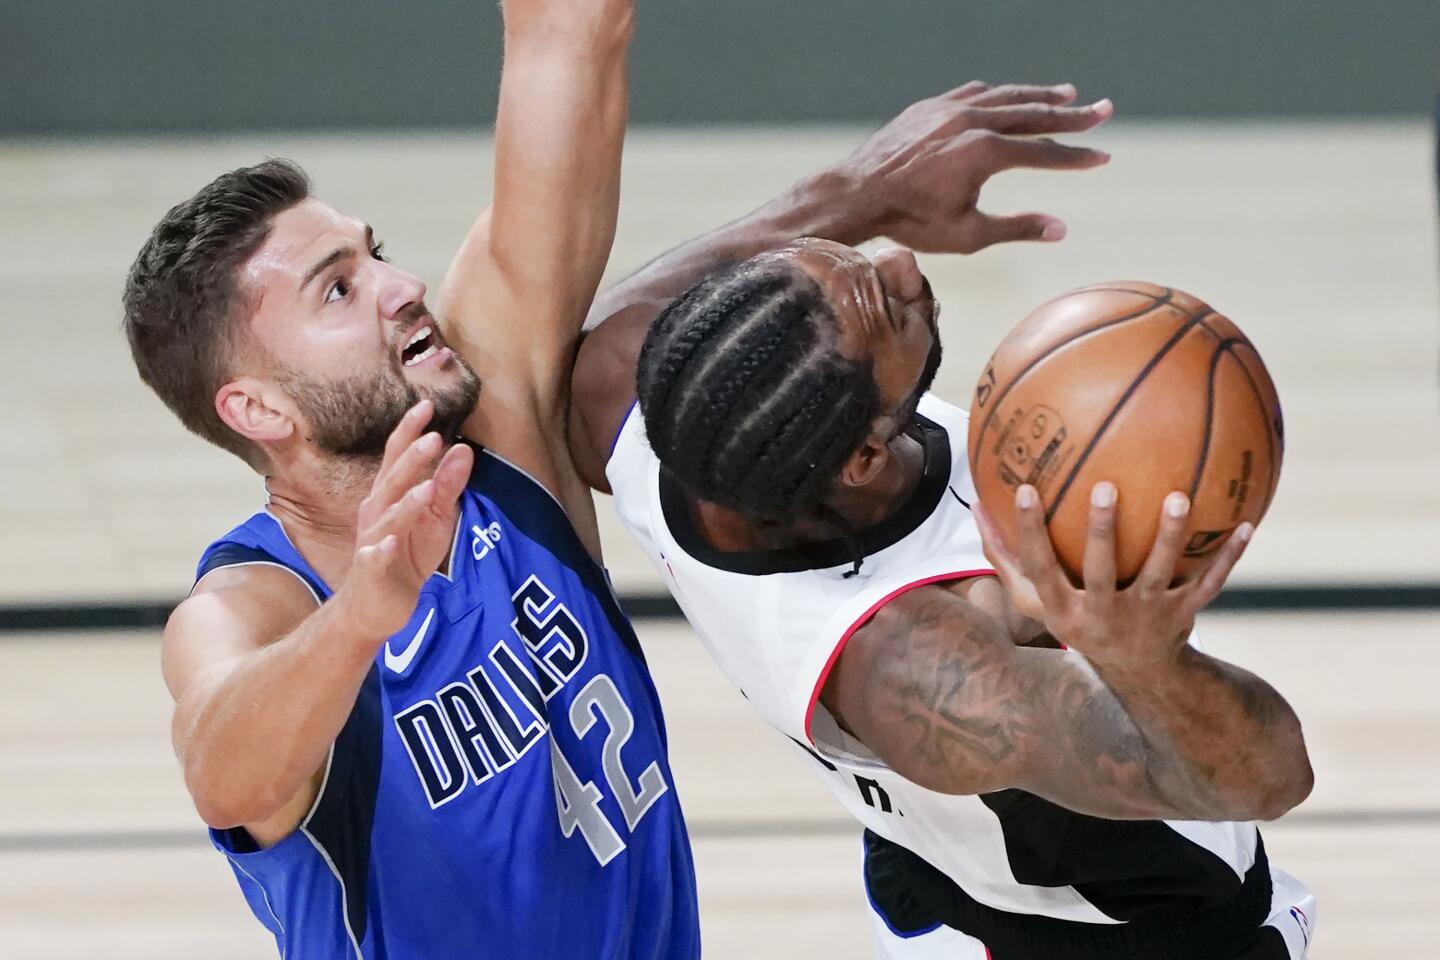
916, 618
232, 611
507, 491
919, 636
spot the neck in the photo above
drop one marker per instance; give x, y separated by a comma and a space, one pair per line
858, 507
317, 503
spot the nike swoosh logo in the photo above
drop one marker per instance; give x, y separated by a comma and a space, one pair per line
398, 664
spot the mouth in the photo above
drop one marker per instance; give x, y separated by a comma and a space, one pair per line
423, 344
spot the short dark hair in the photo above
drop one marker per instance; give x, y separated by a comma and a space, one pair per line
183, 291
746, 398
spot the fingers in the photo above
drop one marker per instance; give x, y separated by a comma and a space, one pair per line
1037, 554
1036, 227
409, 467
1099, 564
371, 561
1032, 119
1159, 569
1004, 562
1013, 93
405, 432
1020, 591
401, 517
1209, 584
965, 91
1005, 153
450, 478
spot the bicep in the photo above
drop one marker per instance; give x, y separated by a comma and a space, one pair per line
941, 707
948, 701
234, 613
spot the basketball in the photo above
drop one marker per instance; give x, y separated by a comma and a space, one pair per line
1143, 386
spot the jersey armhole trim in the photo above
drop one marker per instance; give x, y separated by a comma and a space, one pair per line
863, 619
309, 588
565, 514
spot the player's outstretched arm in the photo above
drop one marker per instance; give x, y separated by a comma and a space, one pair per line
516, 295
264, 681
917, 180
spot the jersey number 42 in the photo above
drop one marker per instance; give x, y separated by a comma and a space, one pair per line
578, 802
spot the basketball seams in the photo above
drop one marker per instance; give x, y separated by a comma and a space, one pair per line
1270, 429
1193, 343
1185, 329
1155, 304
1200, 462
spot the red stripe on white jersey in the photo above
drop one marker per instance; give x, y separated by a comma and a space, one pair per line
865, 618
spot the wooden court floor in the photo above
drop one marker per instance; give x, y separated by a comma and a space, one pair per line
101, 855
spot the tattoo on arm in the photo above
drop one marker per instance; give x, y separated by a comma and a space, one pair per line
947, 700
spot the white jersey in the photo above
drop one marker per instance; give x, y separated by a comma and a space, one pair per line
776, 621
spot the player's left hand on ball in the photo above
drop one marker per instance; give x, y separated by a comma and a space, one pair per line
927, 166
1147, 620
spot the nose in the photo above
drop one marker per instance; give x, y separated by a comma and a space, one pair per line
900, 273
398, 290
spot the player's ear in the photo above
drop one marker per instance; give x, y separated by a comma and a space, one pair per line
866, 463
256, 410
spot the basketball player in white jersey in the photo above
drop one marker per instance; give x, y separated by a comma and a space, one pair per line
808, 503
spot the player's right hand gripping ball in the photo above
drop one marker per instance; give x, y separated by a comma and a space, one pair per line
1134, 383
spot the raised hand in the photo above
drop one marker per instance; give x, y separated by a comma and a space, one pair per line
926, 167
1146, 621
406, 524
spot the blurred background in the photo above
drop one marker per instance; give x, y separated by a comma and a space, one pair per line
1277, 159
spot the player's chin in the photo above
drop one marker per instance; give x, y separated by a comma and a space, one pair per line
454, 389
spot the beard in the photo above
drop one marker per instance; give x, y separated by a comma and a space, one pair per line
905, 413
353, 417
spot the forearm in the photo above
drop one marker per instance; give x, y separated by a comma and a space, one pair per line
1232, 746
559, 135
252, 741
517, 292
828, 204
937, 689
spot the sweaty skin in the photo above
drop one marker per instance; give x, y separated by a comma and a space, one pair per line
937, 683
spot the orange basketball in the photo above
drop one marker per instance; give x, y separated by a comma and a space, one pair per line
1134, 383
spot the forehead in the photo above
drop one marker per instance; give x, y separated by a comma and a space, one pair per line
849, 283
299, 237
831, 264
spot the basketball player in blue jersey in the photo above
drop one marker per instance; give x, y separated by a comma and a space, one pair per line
406, 701
807, 501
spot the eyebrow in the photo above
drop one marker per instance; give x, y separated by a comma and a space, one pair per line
334, 257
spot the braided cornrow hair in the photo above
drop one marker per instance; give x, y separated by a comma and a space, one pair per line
747, 401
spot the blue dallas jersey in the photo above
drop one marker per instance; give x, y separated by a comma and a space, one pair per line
500, 789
